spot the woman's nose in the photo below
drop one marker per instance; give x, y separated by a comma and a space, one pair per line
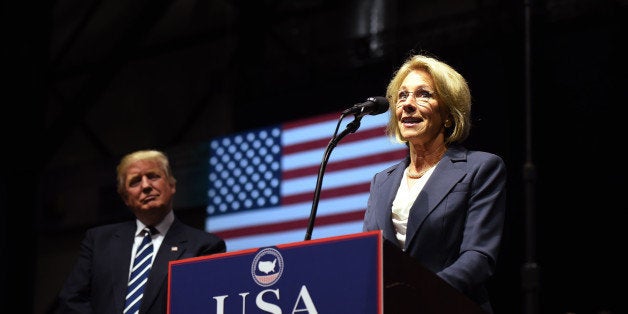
409, 106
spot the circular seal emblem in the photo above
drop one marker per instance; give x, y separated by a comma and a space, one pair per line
267, 267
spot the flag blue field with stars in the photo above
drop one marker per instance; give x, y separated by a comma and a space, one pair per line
262, 181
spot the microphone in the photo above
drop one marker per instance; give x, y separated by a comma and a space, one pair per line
372, 105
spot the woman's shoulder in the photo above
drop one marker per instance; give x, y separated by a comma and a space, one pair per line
478, 159
484, 155
474, 154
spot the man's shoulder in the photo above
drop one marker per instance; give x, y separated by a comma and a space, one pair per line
112, 227
200, 237
191, 230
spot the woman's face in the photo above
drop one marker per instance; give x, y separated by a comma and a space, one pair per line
420, 118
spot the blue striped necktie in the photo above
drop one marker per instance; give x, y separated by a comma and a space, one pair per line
139, 273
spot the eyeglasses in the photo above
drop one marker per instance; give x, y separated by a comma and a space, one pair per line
421, 96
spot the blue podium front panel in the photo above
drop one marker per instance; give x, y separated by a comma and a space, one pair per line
333, 275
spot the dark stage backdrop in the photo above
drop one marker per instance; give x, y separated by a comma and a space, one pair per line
74, 105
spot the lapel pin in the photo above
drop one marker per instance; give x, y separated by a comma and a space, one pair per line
174, 249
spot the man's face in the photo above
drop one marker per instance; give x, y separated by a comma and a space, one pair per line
148, 191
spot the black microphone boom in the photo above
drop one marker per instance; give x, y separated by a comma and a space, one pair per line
372, 105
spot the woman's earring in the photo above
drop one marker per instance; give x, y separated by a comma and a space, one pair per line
447, 123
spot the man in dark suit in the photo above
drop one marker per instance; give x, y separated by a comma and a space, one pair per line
99, 280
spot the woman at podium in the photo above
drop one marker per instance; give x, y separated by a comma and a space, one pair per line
443, 204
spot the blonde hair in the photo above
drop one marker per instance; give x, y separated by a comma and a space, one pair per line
451, 89
149, 155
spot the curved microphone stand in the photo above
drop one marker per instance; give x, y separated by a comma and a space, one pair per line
351, 128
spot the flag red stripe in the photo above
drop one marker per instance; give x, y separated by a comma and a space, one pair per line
358, 136
345, 164
292, 225
326, 193
312, 120
357, 215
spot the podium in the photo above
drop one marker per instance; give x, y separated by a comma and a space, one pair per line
355, 273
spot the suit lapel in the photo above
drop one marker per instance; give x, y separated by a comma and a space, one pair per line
171, 249
388, 192
120, 252
442, 180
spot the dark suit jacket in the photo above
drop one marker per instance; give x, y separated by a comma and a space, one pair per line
455, 225
98, 281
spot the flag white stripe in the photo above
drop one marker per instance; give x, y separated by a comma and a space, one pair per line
322, 130
334, 179
271, 215
343, 151
291, 136
364, 148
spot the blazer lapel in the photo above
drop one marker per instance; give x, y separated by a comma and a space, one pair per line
442, 180
389, 191
120, 252
171, 249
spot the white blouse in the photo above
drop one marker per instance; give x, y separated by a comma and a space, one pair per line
403, 202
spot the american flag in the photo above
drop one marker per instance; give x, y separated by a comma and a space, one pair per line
262, 181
